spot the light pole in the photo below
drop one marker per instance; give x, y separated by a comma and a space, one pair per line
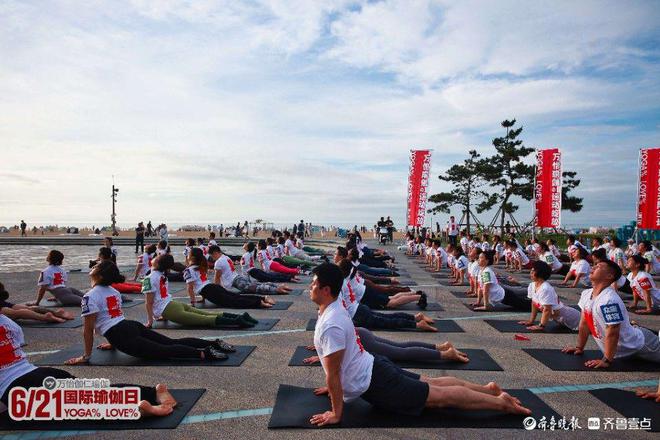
113, 217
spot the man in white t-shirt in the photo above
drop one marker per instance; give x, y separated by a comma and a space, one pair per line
351, 372
452, 230
225, 274
606, 318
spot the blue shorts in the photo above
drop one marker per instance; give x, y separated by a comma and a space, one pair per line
394, 389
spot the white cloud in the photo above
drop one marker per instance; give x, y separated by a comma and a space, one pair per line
221, 109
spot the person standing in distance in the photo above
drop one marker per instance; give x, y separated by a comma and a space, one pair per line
139, 237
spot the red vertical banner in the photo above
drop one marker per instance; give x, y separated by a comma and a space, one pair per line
547, 189
418, 182
648, 203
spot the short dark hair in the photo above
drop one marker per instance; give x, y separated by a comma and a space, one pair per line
328, 274
641, 261
600, 254
105, 253
150, 248
108, 273
164, 263
342, 251
542, 270
490, 256
55, 257
614, 269
213, 249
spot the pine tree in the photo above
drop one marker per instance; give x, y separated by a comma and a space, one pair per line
468, 180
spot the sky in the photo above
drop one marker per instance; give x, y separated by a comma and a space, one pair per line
219, 111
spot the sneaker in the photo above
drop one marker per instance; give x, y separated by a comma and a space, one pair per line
246, 317
423, 301
223, 346
213, 354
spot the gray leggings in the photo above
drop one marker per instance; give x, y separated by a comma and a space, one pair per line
650, 351
68, 296
246, 285
397, 351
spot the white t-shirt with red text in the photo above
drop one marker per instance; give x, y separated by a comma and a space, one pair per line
13, 361
157, 284
227, 270
199, 279
53, 277
105, 302
605, 310
644, 281
334, 332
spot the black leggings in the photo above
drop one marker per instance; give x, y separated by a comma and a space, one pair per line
220, 296
268, 277
564, 269
35, 378
626, 288
367, 318
516, 297
133, 338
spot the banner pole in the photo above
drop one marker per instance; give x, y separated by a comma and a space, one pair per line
639, 176
534, 198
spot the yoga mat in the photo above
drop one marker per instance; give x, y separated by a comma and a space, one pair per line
629, 405
558, 361
498, 308
264, 324
186, 399
480, 360
413, 307
297, 292
443, 326
508, 326
114, 358
71, 323
407, 283
462, 294
294, 406
279, 305
125, 304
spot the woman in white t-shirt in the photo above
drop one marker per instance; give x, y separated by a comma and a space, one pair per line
580, 269
460, 266
647, 251
616, 254
101, 312
551, 259
144, 262
265, 259
643, 287
489, 291
159, 304
107, 242
197, 281
473, 271
545, 300
17, 372
248, 267
53, 280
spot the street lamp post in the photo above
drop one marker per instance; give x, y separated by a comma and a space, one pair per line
113, 217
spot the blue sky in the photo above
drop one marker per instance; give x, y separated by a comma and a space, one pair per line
214, 111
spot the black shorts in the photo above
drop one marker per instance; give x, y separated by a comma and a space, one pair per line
374, 299
394, 389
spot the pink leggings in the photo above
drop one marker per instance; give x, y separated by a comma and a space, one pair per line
277, 267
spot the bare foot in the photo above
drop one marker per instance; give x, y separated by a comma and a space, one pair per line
422, 317
452, 354
149, 410
494, 388
163, 395
64, 314
511, 406
444, 346
266, 305
282, 290
53, 318
269, 300
423, 325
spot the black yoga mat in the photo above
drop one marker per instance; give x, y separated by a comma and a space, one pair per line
443, 326
125, 304
114, 358
186, 399
498, 308
264, 324
558, 361
508, 326
279, 305
413, 307
629, 405
407, 282
69, 323
294, 407
296, 292
480, 360
462, 294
